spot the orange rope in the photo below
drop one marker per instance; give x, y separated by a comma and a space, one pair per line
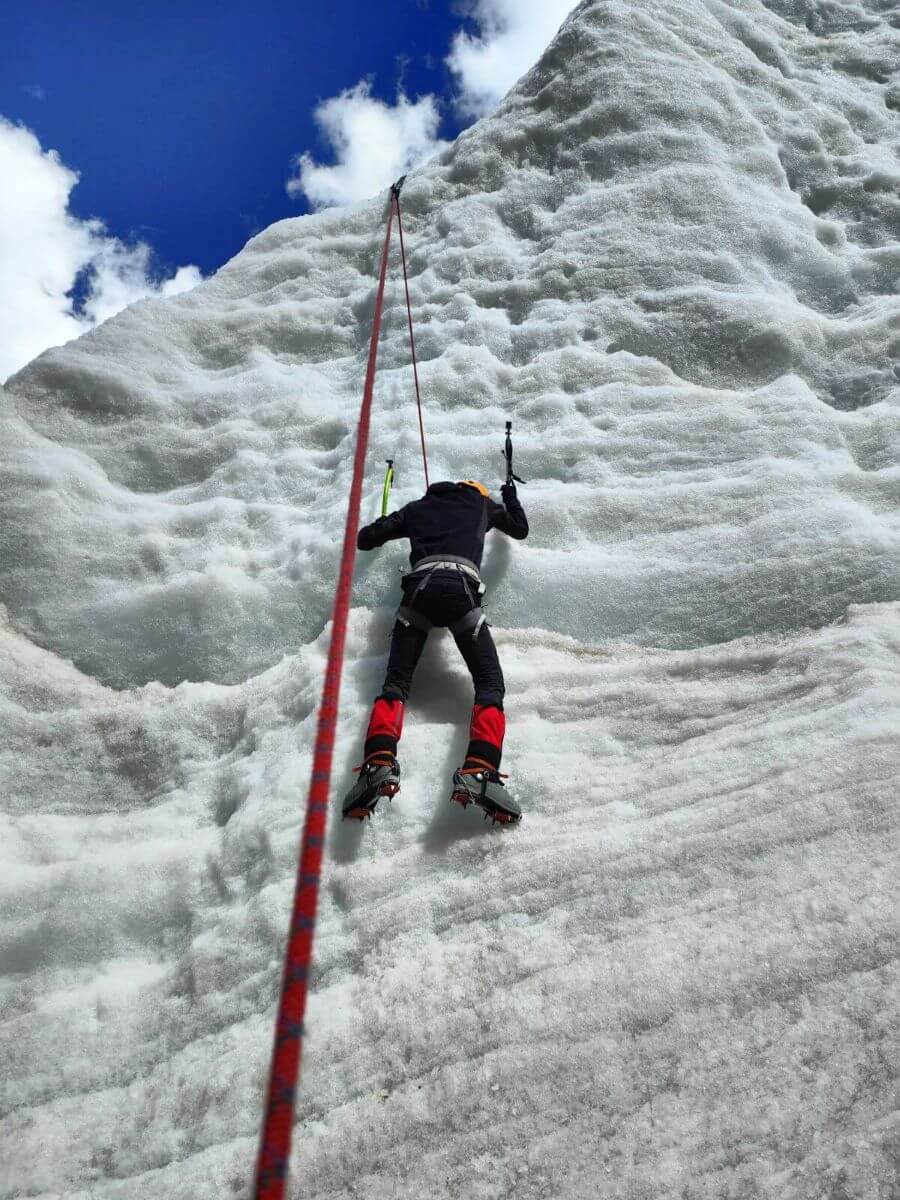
412, 340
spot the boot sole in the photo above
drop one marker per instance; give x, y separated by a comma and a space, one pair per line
365, 808
496, 815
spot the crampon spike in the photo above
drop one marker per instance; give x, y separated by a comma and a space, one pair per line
496, 817
358, 814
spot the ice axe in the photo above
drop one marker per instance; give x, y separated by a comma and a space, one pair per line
388, 484
510, 475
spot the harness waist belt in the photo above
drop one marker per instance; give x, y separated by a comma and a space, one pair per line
435, 561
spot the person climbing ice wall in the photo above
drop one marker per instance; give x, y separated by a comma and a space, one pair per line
446, 530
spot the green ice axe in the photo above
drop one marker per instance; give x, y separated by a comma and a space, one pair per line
388, 483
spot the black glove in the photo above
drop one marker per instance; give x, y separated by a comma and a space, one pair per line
508, 492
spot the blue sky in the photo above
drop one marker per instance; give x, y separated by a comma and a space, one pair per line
182, 118
141, 146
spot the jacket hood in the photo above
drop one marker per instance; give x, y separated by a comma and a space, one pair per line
441, 489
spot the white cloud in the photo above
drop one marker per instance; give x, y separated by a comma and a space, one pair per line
513, 35
120, 275
44, 250
374, 143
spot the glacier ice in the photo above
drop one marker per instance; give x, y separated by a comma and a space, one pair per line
671, 257
623, 259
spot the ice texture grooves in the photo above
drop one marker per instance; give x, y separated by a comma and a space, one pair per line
677, 977
671, 258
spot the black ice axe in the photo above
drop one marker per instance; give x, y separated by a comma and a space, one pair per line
510, 475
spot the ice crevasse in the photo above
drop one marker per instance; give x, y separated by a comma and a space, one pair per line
671, 257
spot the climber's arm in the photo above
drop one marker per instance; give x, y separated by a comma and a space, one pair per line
385, 529
509, 517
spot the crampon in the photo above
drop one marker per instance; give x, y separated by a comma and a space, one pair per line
482, 786
378, 776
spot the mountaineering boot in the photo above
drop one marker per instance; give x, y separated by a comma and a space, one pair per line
482, 786
378, 776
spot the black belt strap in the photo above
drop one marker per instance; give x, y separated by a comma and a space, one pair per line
473, 619
426, 579
407, 616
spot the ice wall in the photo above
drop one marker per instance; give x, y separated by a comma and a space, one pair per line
670, 257
678, 977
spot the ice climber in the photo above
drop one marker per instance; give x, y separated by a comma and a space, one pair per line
446, 530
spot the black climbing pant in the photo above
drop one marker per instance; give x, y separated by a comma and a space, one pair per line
443, 602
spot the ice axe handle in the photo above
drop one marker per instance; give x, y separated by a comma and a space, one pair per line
388, 484
510, 475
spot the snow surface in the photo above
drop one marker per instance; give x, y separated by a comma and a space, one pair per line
671, 258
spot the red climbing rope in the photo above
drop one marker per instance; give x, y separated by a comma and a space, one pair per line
275, 1142
395, 192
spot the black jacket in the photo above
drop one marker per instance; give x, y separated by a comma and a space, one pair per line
451, 518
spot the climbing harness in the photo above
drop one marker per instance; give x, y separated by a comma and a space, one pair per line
407, 614
433, 561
